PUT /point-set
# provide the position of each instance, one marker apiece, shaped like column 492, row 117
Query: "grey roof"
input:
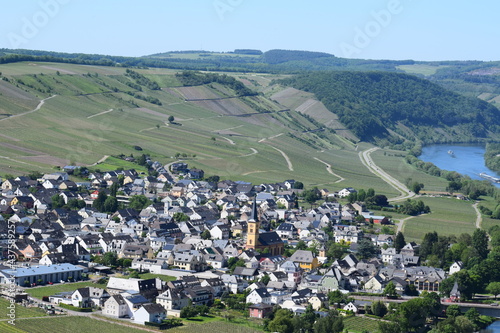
column 41, row 270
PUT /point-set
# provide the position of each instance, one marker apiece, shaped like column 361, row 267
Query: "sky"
column 368, row 29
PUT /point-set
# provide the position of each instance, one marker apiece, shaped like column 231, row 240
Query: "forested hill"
column 392, row 108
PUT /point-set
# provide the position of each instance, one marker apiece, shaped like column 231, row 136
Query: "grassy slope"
column 71, row 324
column 75, row 127
column 448, row 216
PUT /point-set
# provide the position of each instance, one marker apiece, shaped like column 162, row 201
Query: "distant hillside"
column 281, row 56
column 391, row 107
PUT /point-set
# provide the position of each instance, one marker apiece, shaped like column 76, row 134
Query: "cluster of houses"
column 191, row 230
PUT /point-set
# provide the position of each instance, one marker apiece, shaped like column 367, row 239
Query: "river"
column 493, row 328
column 466, row 159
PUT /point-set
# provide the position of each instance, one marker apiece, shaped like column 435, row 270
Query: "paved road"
column 367, row 161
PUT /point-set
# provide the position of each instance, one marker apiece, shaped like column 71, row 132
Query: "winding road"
column 367, row 161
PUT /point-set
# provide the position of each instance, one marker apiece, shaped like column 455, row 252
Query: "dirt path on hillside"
column 330, row 171
column 38, row 107
column 288, row 161
column 100, row 113
column 479, row 217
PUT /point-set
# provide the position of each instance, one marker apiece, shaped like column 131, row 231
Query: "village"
column 213, row 240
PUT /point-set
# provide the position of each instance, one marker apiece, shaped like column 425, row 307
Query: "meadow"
column 73, row 324
column 21, row 311
column 448, row 216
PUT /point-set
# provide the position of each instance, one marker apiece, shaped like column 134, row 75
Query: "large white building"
column 27, row 276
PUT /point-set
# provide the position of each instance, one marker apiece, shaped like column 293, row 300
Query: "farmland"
column 67, row 324
column 92, row 115
column 448, row 216
column 21, row 311
column 360, row 324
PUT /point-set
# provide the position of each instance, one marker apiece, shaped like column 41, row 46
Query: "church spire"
column 254, row 216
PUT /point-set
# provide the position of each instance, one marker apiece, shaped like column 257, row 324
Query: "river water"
column 465, row 159
column 493, row 328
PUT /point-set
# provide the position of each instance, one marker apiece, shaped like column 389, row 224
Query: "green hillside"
column 397, row 108
column 225, row 124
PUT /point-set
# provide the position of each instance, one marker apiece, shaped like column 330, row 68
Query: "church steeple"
column 253, row 228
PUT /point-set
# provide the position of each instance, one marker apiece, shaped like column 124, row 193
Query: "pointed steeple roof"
column 254, row 216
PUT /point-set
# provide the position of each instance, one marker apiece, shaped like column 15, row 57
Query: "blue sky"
column 369, row 29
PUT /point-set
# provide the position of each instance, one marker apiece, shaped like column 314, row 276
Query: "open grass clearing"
column 39, row 292
column 393, row 162
column 448, row 216
column 21, row 311
column 72, row 324
column 358, row 324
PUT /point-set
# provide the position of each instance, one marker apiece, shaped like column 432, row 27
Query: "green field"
column 448, row 216
column 392, row 161
column 68, row 324
column 21, row 311
column 92, row 117
column 39, row 292
column 358, row 324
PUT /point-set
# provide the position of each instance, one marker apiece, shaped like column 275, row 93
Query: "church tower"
column 253, row 228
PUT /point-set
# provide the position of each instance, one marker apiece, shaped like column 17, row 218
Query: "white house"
column 346, row 191
column 455, row 267
column 152, row 312
column 257, row 296
column 116, row 307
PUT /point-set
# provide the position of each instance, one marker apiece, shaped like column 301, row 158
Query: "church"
column 266, row 242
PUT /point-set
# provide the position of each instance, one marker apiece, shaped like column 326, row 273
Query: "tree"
column 399, row 241
column 308, row 319
column 329, row 324
column 139, row 202
column 114, row 188
column 390, row 290
column 301, row 245
column 366, row 249
column 171, row 119
column 57, row 201
column 379, row 309
column 480, row 242
column 453, row 311
column 282, row 322
column 188, row 312
column 493, row 288
column 426, row 247
column 109, row 259
column 99, row 201
column 265, row 279
column 206, row 234
column 298, row 185
column 110, row 205
column 180, row 217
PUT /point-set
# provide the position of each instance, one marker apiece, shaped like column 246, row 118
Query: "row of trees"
column 284, row 321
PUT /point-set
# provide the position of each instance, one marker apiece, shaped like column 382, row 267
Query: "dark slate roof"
column 262, row 292
column 270, row 238
column 286, row 227
column 153, row 308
